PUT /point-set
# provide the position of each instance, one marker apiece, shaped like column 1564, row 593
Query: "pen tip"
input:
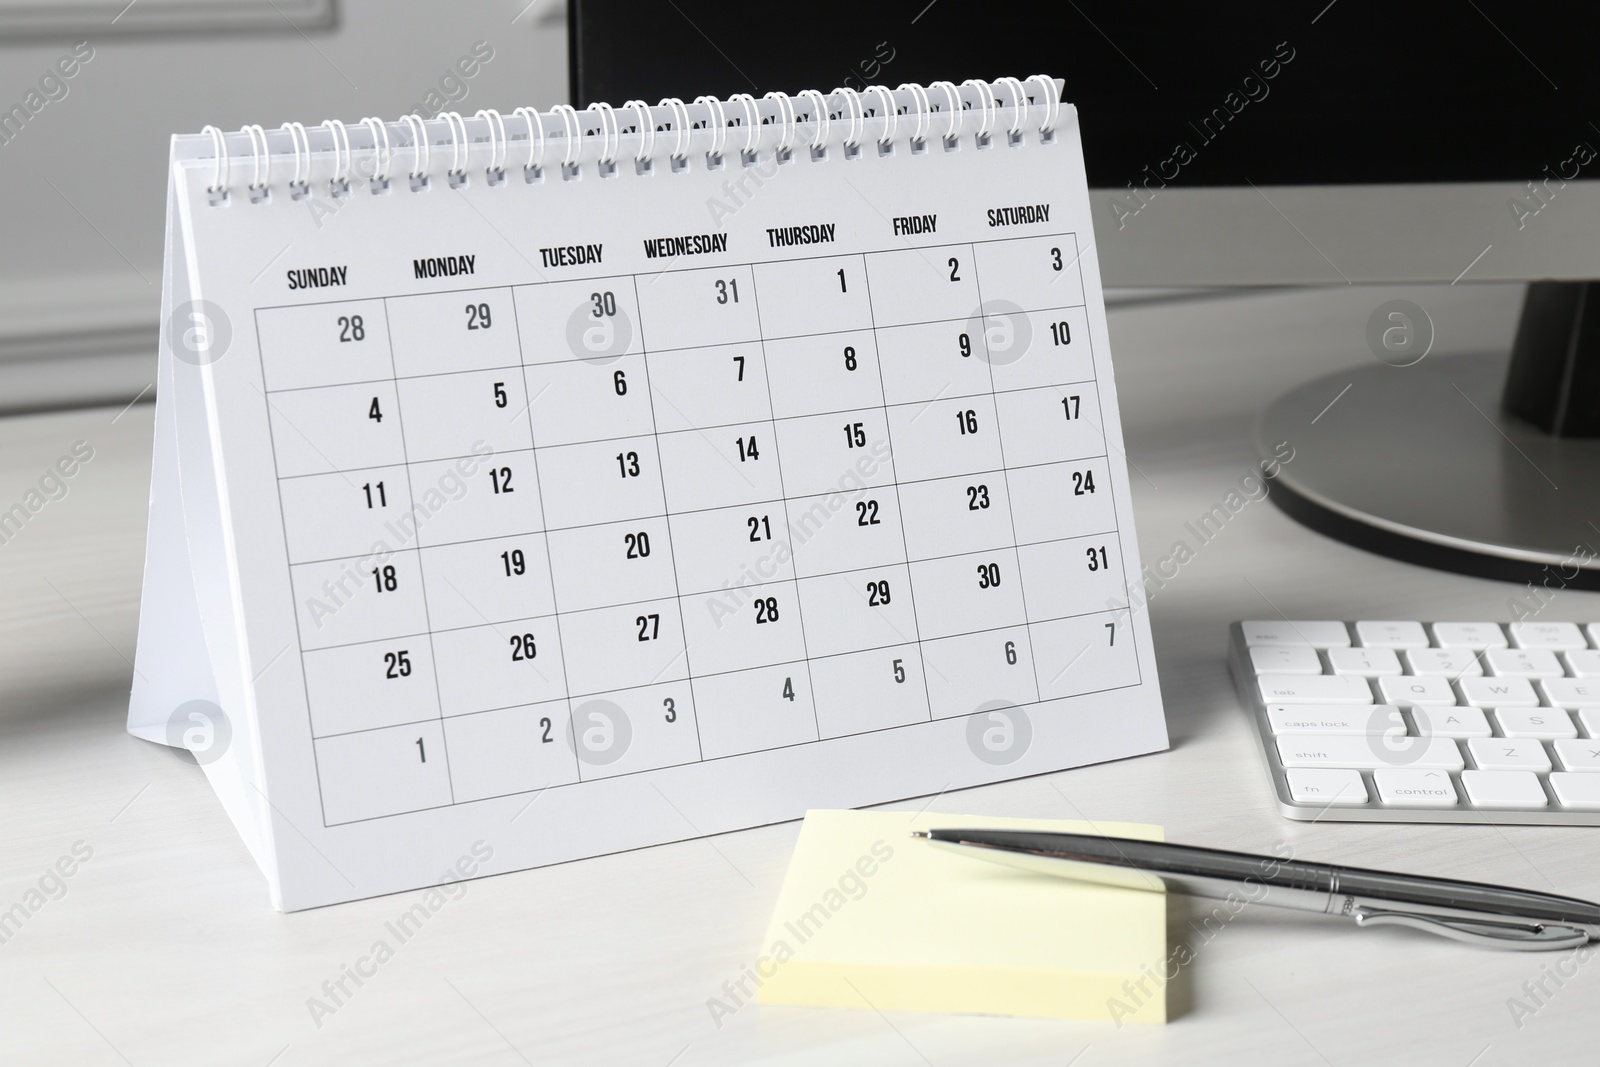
column 919, row 833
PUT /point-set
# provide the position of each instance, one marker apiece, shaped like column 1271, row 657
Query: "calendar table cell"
column 872, row 690
column 486, row 667
column 1084, row 654
column 382, row 772
column 635, row 730
column 967, row 672
column 588, row 401
column 1034, row 349
column 510, row 750
column 721, row 467
column 368, row 686
column 843, row 450
column 623, row 646
column 797, row 295
column 472, row 583
column 1033, row 272
column 922, row 285
column 331, row 515
column 735, row 546
column 619, row 563
column 591, row 321
column 470, row 330
column 451, row 415
column 963, row 594
column 1051, row 424
column 746, row 626
column 324, row 344
column 1073, row 577
column 1059, row 500
column 846, row 531
column 945, row 438
column 359, row 598
column 699, row 387
column 607, row 481
column 932, row 361
column 946, row 516
column 336, row 428
column 822, row 373
column 753, row 710
column 476, row 497
column 862, row 610
column 691, row 308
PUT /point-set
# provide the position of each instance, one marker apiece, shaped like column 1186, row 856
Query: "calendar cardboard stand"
column 535, row 486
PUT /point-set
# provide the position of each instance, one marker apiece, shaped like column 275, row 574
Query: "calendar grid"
column 707, row 759
column 730, row 425
column 1005, row 477
column 593, row 276
column 644, row 348
column 715, row 674
column 736, row 670
column 796, row 435
column 444, row 741
column 911, row 586
column 783, row 498
column 561, row 642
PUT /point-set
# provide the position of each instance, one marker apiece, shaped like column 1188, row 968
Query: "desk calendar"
column 541, row 485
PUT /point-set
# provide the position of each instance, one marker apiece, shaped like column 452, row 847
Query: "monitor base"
column 1420, row 464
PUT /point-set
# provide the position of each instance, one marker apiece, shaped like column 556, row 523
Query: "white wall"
column 83, row 185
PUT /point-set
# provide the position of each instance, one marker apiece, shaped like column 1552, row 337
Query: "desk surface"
column 162, row 949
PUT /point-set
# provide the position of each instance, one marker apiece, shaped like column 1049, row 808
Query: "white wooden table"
column 161, row 948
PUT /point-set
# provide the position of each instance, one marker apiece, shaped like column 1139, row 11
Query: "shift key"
column 1370, row 753
column 1313, row 689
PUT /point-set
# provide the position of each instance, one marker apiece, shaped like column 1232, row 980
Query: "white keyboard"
column 1476, row 722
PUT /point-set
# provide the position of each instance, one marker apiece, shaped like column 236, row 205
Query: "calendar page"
column 569, row 510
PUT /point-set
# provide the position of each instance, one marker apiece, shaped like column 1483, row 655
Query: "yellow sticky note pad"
column 870, row 917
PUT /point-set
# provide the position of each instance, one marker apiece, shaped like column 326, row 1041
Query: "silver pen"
column 1489, row 915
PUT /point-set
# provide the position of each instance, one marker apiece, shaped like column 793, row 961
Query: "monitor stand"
column 1480, row 464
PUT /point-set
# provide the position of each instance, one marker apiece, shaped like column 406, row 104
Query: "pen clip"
column 1528, row 935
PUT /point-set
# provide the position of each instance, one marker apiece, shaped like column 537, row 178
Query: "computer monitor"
column 1327, row 142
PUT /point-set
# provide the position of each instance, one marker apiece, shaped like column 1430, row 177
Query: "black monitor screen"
column 1201, row 94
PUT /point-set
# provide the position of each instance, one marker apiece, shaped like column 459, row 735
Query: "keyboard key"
column 1338, row 718
column 1584, row 664
column 1508, row 754
column 1367, row 662
column 1415, row 690
column 1408, row 788
column 1370, row 753
column 1285, row 659
column 1304, row 689
column 1594, row 634
column 1590, row 717
column 1392, row 634
column 1504, row 789
column 1499, row 692
column 1451, row 722
column 1571, row 692
column 1278, row 632
column 1450, row 662
column 1545, row 724
column 1579, row 755
column 1320, row 785
column 1523, row 663
column 1576, row 790
column 1473, row 635
column 1559, row 635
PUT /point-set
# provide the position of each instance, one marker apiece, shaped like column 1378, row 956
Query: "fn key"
column 1327, row 785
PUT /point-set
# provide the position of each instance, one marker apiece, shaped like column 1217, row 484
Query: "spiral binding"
column 875, row 118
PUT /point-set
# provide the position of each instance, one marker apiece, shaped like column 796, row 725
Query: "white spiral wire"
column 775, row 109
